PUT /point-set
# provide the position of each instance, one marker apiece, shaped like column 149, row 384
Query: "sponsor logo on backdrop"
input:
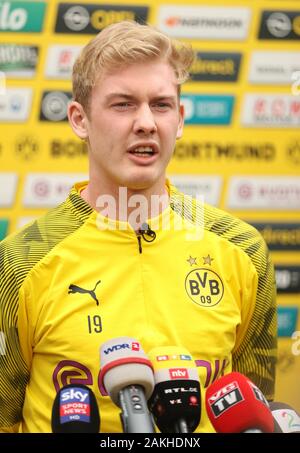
column 280, row 236
column 3, row 228
column 208, row 187
column 22, row 221
column 216, row 66
column 295, row 348
column 60, row 60
column 295, row 87
column 200, row 22
column 282, row 25
column 92, row 18
column 287, row 320
column 293, row 152
column 24, row 17
column 2, row 83
column 214, row 151
column 270, row 110
column 207, row 109
column 26, row 147
column 68, row 148
column 54, row 105
column 264, row 192
column 49, row 189
column 8, row 187
column 287, row 278
column 17, row 60
column 286, row 360
column 15, row 104
column 273, row 67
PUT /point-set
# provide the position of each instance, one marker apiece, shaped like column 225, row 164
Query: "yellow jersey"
column 70, row 282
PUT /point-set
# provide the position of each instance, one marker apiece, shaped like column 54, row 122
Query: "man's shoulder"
column 238, row 232
column 227, row 224
column 214, row 219
column 28, row 245
column 223, row 225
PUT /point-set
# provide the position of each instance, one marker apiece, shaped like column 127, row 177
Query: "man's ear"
column 78, row 119
column 181, row 122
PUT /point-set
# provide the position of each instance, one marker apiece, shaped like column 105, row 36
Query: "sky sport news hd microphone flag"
column 176, row 399
column 127, row 376
column 235, row 405
column 75, row 410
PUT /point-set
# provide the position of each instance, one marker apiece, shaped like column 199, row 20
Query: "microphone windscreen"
column 286, row 419
column 234, row 404
column 75, row 410
column 124, row 363
column 176, row 394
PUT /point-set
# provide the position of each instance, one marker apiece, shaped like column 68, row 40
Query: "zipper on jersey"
column 139, row 238
column 146, row 233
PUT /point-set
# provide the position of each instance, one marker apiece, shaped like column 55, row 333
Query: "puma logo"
column 77, row 289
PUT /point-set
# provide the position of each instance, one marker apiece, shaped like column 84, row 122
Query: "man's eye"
column 162, row 105
column 122, row 105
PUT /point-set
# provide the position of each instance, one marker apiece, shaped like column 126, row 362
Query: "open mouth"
column 142, row 151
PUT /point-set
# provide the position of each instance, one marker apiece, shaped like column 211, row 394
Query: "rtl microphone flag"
column 176, row 399
column 234, row 404
column 287, row 420
column 75, row 410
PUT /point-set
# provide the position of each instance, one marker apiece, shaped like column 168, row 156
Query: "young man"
column 87, row 272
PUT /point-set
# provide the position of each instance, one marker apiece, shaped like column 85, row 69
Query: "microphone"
column 75, row 410
column 176, row 400
column 286, row 419
column 127, row 376
column 147, row 234
column 235, row 405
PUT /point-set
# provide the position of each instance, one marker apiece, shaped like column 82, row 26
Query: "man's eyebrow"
column 170, row 98
column 130, row 97
column 112, row 96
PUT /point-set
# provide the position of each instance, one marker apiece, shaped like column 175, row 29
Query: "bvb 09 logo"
column 204, row 287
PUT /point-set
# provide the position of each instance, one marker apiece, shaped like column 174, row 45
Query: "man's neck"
column 127, row 205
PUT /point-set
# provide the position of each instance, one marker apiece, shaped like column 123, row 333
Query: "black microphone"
column 75, row 410
column 127, row 376
column 286, row 419
column 147, row 234
column 176, row 399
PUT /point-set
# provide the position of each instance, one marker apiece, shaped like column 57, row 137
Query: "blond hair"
column 126, row 43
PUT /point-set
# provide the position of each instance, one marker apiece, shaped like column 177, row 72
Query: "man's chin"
column 146, row 187
column 142, row 183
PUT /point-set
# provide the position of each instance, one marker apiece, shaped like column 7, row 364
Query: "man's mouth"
column 142, row 151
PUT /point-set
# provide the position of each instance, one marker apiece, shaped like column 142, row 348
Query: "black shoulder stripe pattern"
column 19, row 253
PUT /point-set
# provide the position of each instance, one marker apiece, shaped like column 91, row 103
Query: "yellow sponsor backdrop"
column 280, row 163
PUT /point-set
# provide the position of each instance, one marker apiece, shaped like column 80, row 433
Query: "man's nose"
column 144, row 121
